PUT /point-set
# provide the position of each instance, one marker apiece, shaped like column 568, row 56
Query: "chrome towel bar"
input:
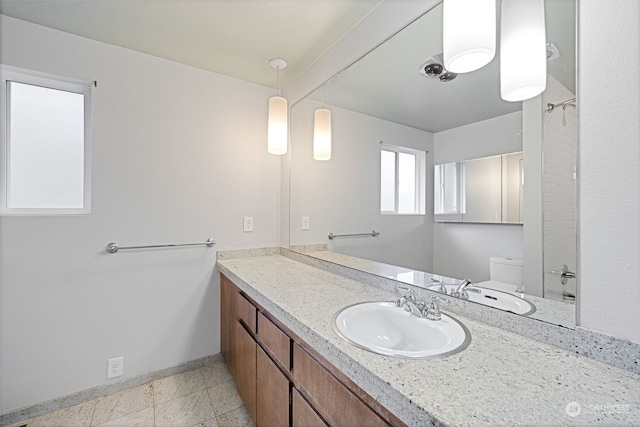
column 112, row 248
column 374, row 233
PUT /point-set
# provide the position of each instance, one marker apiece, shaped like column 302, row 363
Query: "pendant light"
column 322, row 132
column 523, row 55
column 468, row 34
column 277, row 121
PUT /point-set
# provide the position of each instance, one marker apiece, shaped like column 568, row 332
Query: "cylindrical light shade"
column 523, row 55
column 468, row 34
column 277, row 125
column 322, row 134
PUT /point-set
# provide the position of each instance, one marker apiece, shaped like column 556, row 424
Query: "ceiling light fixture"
column 277, row 121
column 523, row 52
column 322, row 134
column 468, row 34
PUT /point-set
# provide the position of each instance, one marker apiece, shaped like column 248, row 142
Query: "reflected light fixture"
column 277, row 121
column 322, row 134
column 523, row 53
column 468, row 34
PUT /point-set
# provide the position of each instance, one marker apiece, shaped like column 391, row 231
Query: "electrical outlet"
column 305, row 222
column 248, row 224
column 115, row 367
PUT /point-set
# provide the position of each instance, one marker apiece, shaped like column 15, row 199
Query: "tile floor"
column 204, row 397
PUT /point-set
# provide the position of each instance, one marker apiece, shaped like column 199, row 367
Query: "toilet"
column 505, row 274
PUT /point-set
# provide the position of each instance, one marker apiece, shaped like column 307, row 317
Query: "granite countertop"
column 501, row 378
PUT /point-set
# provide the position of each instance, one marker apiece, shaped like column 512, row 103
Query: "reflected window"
column 448, row 191
column 402, row 180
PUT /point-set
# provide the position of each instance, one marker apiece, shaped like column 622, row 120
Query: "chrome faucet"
column 416, row 308
column 421, row 309
column 462, row 291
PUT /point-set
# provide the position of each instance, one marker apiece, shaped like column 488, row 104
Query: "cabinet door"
column 303, row 414
column 245, row 366
column 227, row 321
column 272, row 393
column 333, row 400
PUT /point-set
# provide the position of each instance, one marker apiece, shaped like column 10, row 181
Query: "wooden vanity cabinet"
column 245, row 363
column 302, row 413
column 273, row 391
column 281, row 380
column 335, row 402
column 246, row 338
column 227, row 322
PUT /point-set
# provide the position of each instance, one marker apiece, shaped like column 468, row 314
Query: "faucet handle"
column 404, row 298
column 433, row 312
column 410, row 296
column 442, row 288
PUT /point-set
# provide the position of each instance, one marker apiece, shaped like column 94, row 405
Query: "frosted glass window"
column 402, row 180
column 46, row 150
column 388, row 181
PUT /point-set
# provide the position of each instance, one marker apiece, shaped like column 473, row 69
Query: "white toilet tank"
column 506, row 270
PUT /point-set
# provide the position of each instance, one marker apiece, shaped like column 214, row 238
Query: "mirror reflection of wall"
column 343, row 195
column 513, row 188
column 385, row 97
column 559, row 191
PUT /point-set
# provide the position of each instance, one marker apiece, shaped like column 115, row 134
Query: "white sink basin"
column 494, row 298
column 383, row 328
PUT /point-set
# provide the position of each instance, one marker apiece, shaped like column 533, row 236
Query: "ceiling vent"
column 433, row 67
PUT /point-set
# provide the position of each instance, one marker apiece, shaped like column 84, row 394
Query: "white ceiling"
column 386, row 82
column 238, row 37
column 232, row 37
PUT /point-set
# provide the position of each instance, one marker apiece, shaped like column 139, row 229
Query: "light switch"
column 305, row 222
column 248, row 224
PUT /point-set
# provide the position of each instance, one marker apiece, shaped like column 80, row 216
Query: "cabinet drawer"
column 303, row 414
column 337, row 404
column 276, row 341
column 246, row 312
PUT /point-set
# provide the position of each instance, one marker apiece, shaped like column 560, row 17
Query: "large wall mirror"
column 396, row 127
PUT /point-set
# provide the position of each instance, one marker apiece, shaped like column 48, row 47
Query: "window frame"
column 49, row 81
column 420, row 178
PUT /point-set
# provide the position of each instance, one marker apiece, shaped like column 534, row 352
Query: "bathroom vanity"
column 277, row 372
column 278, row 339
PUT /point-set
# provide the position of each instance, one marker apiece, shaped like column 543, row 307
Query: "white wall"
column 532, row 113
column 179, row 155
column 609, row 168
column 342, row 195
column 463, row 250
